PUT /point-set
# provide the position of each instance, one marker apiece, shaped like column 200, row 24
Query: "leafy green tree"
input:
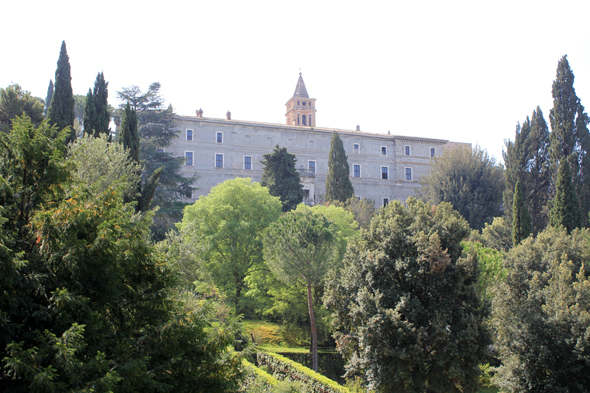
column 14, row 102
column 61, row 108
column 395, row 302
column 497, row 235
column 363, row 209
column 231, row 219
column 338, row 185
column 302, row 246
column 157, row 130
column 527, row 160
column 570, row 140
column 49, row 96
column 490, row 263
column 521, row 219
column 87, row 304
column 96, row 114
column 541, row 314
column 470, row 180
column 281, row 178
column 566, row 209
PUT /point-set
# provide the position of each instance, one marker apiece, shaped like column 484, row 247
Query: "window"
column 383, row 150
column 290, row 143
column 311, row 145
column 356, row 170
column 311, row 166
column 408, row 174
column 384, row 172
column 310, row 124
column 304, row 103
column 189, row 157
column 432, row 152
column 269, row 140
column 247, row 162
column 385, row 202
column 189, row 135
column 218, row 160
column 159, row 150
column 247, row 139
column 355, row 148
column 219, row 137
column 407, row 150
column 304, row 118
column 298, row 117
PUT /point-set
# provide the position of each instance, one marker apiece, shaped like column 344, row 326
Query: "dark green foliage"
column 570, row 140
column 87, row 304
column 541, row 315
column 527, row 160
column 49, row 96
column 128, row 134
column 157, row 130
column 521, row 219
column 14, row 102
column 61, row 108
column 497, row 235
column 566, row 209
column 338, row 185
column 96, row 114
column 281, row 178
column 363, row 209
column 405, row 305
column 470, row 180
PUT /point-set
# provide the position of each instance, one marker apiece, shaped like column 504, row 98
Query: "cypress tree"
column 49, row 96
column 338, row 185
column 129, row 136
column 570, row 139
column 89, row 114
column 521, row 219
column 96, row 116
column 61, row 109
column 566, row 208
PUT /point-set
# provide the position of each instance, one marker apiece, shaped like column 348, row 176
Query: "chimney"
column 200, row 113
column 228, row 115
column 358, row 128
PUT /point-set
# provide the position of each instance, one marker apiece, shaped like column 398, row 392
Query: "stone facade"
column 382, row 167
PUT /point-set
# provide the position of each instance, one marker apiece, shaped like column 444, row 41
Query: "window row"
column 356, row 172
column 218, row 136
column 247, row 163
column 407, row 150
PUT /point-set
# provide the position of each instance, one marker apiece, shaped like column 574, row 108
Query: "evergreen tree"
column 61, row 108
column 338, row 185
column 97, row 116
column 157, row 130
column 521, row 219
column 128, row 135
column 15, row 102
column 566, row 208
column 570, row 140
column 49, row 96
column 281, row 178
column 526, row 160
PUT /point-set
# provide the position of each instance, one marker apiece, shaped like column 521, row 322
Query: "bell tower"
column 300, row 108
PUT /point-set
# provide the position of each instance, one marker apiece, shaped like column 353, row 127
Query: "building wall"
column 242, row 138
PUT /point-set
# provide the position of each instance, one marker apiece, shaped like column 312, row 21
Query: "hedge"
column 330, row 365
column 256, row 376
column 284, row 368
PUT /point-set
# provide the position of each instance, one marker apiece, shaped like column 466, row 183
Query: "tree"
column 338, row 185
column 14, row 102
column 231, row 219
column 281, row 178
column 470, row 180
column 61, row 108
column 497, row 235
column 49, row 96
column 128, row 134
column 96, row 115
column 541, row 314
column 570, row 140
column 87, row 303
column 566, row 208
column 527, row 160
column 396, row 304
column 157, row 130
column 362, row 208
column 302, row 246
column 521, row 219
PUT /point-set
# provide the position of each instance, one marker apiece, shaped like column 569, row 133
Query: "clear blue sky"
column 466, row 71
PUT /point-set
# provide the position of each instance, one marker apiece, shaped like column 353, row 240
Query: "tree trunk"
column 314, row 334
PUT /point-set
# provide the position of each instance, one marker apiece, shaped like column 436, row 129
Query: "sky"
column 466, row 71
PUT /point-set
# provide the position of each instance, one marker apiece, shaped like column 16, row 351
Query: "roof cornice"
column 319, row 130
